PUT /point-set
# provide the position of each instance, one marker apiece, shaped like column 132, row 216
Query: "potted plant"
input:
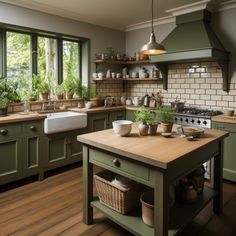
column 3, row 106
column 82, row 95
column 165, row 115
column 70, row 85
column 60, row 91
column 94, row 95
column 144, row 116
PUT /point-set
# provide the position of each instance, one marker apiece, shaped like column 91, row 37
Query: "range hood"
column 193, row 40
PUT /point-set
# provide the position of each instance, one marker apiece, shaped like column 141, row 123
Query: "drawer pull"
column 116, row 162
column 33, row 128
column 4, row 131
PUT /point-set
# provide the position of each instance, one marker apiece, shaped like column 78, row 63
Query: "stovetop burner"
column 200, row 112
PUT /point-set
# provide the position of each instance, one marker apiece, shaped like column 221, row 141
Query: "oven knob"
column 204, row 122
column 199, row 122
column 192, row 120
column 176, row 118
column 181, row 119
column 186, row 120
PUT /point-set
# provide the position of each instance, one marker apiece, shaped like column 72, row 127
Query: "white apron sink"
column 64, row 121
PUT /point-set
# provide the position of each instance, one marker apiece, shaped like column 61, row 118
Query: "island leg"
column 218, row 179
column 87, row 187
column 161, row 205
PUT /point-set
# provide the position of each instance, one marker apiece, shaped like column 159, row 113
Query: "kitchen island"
column 157, row 162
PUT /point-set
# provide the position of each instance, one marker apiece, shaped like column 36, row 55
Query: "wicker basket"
column 120, row 199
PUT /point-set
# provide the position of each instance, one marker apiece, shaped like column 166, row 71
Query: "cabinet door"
column 10, row 159
column 98, row 122
column 116, row 115
column 229, row 171
column 31, row 154
column 55, row 150
column 130, row 115
column 32, row 147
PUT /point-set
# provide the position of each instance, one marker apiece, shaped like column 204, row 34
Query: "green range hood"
column 193, row 40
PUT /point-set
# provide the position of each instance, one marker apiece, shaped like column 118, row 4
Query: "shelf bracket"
column 163, row 68
column 224, row 65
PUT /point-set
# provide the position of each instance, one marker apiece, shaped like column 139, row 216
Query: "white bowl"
column 122, row 127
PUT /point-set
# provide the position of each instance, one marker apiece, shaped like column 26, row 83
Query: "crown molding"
column 188, row 8
column 146, row 24
column 227, row 5
column 45, row 8
column 183, row 10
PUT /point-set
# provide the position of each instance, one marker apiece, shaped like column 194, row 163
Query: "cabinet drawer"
column 32, row 127
column 119, row 163
column 9, row 131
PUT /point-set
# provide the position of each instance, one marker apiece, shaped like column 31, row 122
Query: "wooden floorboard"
column 54, row 207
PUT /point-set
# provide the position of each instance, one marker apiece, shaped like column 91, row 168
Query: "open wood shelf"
column 122, row 62
column 128, row 79
column 180, row 215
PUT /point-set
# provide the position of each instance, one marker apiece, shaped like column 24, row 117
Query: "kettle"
column 146, row 100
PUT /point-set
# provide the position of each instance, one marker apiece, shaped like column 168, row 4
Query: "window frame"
column 82, row 47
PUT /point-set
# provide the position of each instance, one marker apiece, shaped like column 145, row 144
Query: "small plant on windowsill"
column 60, row 91
column 146, row 118
column 70, row 85
column 94, row 95
column 3, row 106
column 165, row 115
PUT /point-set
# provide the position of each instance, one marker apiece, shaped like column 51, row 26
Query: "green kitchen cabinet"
column 229, row 171
column 116, row 115
column 19, row 150
column 98, row 121
column 101, row 120
column 10, row 153
column 32, row 132
column 130, row 115
column 61, row 149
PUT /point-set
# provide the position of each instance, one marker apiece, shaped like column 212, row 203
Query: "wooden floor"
column 54, row 207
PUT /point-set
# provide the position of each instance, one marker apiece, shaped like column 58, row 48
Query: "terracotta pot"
column 143, row 129
column 3, row 111
column 59, row 96
column 166, row 127
column 152, row 129
column 94, row 102
column 147, row 200
column 189, row 194
column 44, row 96
column 69, row 95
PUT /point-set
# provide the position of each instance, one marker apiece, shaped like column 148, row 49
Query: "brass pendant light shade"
column 152, row 47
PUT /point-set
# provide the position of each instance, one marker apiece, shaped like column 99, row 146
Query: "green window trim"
column 83, row 72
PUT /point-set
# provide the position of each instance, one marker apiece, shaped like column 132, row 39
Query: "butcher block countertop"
column 21, row 116
column 154, row 150
column 98, row 109
column 225, row 119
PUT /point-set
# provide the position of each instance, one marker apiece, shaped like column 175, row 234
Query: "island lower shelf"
column 180, row 215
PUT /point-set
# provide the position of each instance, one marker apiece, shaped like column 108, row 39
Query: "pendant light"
column 152, row 47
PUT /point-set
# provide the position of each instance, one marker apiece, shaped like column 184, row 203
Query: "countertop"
column 224, row 119
column 98, row 109
column 21, row 116
column 154, row 150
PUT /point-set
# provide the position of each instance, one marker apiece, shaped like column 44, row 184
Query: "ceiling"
column 117, row 14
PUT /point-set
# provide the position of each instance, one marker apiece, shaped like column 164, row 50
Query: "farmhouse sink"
column 64, row 121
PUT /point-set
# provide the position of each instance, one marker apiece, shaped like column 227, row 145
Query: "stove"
column 195, row 117
column 198, row 118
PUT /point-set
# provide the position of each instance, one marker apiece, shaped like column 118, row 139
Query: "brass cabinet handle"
column 116, row 162
column 4, row 131
column 33, row 128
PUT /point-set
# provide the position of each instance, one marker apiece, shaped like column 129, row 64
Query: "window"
column 18, row 55
column 70, row 59
column 47, row 59
column 23, row 54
